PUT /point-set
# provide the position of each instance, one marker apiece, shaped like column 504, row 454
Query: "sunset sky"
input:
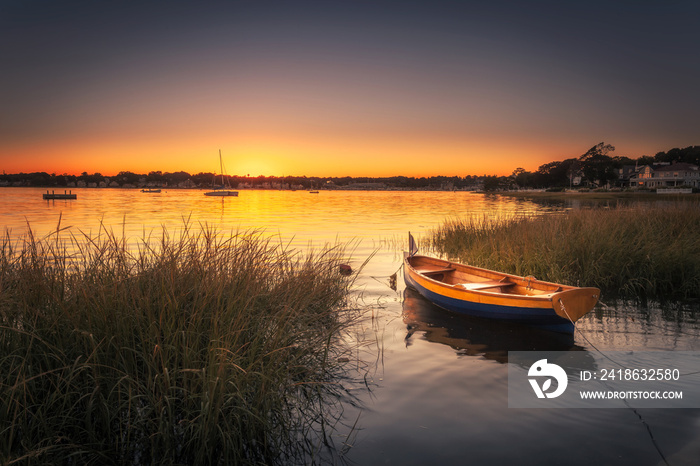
column 335, row 88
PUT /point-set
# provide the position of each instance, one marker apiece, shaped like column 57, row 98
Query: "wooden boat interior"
column 469, row 278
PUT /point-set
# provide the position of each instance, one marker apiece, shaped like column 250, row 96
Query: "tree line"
column 208, row 180
column 596, row 167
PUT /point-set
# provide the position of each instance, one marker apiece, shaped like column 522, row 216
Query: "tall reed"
column 199, row 349
column 649, row 250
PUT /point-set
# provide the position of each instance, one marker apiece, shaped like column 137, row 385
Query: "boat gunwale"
column 546, row 297
column 564, row 302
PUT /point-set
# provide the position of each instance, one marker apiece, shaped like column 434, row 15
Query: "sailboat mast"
column 221, row 167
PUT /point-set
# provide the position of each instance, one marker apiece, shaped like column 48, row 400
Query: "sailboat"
column 221, row 191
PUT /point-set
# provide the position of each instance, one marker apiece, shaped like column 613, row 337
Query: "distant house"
column 186, row 184
column 625, row 174
column 666, row 176
column 366, row 186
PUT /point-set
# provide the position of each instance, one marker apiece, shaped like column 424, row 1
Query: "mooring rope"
column 634, row 410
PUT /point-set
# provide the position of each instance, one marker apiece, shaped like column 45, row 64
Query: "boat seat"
column 482, row 285
column 434, row 271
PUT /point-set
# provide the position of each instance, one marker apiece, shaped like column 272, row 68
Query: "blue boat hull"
column 542, row 318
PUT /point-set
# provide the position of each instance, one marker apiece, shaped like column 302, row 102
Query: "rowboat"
column 485, row 338
column 496, row 295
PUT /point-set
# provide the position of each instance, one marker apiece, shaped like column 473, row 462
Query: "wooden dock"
column 65, row 195
column 674, row 191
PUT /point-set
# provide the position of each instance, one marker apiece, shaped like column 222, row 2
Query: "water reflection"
column 672, row 326
column 573, row 201
column 475, row 336
column 324, row 217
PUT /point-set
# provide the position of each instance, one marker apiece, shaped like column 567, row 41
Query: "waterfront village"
column 675, row 170
column 649, row 177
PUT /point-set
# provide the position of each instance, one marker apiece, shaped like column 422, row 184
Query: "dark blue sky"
column 353, row 87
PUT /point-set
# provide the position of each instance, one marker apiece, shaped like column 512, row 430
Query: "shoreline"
column 537, row 194
column 593, row 195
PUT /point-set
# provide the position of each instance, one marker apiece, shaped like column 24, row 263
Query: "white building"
column 666, row 176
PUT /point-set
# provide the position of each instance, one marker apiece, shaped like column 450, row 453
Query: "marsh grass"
column 643, row 250
column 198, row 349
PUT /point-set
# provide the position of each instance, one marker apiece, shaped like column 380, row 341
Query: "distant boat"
column 53, row 195
column 224, row 184
column 313, row 192
column 150, row 190
column 221, row 193
column 496, row 295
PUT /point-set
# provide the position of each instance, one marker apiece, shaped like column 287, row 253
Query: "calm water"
column 438, row 381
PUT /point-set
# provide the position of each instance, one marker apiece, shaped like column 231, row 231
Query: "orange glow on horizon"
column 283, row 156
